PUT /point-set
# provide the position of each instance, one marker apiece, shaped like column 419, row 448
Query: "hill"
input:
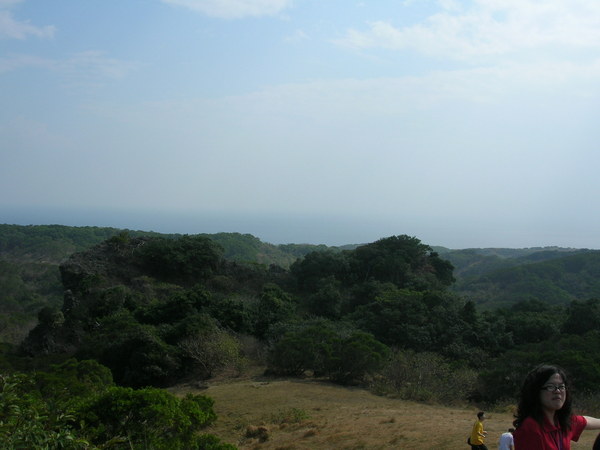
column 305, row 414
column 555, row 277
column 157, row 310
column 52, row 244
column 30, row 257
column 490, row 277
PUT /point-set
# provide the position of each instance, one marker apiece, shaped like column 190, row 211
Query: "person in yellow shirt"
column 478, row 434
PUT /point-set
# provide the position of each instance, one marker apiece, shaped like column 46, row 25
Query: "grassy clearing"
column 286, row 414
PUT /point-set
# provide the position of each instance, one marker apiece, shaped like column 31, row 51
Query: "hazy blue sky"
column 463, row 123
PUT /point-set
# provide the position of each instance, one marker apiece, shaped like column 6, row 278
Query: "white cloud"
column 296, row 36
column 14, row 29
column 86, row 69
column 489, row 28
column 234, row 9
column 16, row 62
column 7, row 3
column 96, row 65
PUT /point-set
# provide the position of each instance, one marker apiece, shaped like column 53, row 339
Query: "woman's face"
column 553, row 393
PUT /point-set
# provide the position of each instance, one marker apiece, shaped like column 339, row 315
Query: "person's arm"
column 592, row 423
column 480, row 431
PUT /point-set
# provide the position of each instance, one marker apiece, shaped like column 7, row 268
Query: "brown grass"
column 309, row 414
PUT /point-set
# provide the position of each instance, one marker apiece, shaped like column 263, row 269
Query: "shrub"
column 26, row 421
column 343, row 354
column 145, row 418
column 211, row 351
column 425, row 377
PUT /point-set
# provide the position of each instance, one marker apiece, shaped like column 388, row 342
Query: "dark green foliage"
column 27, row 422
column 555, row 281
column 50, row 242
column 75, row 406
column 50, row 317
column 71, row 379
column 233, row 314
column 578, row 354
column 274, row 305
column 186, row 258
column 315, row 266
column 401, row 260
column 300, row 250
column 432, row 321
column 356, row 356
column 326, row 301
column 147, row 418
column 109, row 301
column 25, row 288
column 246, row 248
column 365, row 293
column 532, row 321
column 156, row 309
column 192, row 325
column 327, row 349
column 582, row 316
column 174, row 309
column 135, row 353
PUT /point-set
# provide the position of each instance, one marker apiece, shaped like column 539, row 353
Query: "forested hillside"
column 142, row 309
column 30, row 255
column 495, row 278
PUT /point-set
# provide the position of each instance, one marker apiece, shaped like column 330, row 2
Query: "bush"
column 211, row 351
column 63, row 383
column 26, row 421
column 97, row 416
column 425, row 377
column 187, row 258
column 342, row 354
column 145, row 418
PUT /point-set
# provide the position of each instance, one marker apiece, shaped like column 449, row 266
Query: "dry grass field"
column 286, row 414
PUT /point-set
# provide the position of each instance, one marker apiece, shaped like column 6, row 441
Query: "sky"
column 464, row 123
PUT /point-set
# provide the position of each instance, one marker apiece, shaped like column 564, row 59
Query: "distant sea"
column 272, row 228
column 431, row 228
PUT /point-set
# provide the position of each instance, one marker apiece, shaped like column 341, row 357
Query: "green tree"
column 327, row 300
column 145, row 418
column 135, row 353
column 329, row 349
column 402, row 260
column 274, row 305
column 26, row 421
column 211, row 351
column 72, row 379
column 186, row 258
column 582, row 316
column 318, row 265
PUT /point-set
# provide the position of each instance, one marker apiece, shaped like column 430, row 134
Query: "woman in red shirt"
column 544, row 419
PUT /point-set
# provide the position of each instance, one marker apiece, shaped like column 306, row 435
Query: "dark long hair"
column 529, row 400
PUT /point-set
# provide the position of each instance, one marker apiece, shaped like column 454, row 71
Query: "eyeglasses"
column 554, row 387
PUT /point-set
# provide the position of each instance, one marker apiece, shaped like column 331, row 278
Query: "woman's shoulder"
column 528, row 424
column 530, row 421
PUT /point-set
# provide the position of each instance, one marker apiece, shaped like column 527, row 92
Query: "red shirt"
column 531, row 436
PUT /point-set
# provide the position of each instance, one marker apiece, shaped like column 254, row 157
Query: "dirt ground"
column 307, row 414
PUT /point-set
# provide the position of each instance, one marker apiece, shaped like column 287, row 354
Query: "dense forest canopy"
column 153, row 310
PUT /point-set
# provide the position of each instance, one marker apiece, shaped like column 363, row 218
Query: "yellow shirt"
column 476, row 439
